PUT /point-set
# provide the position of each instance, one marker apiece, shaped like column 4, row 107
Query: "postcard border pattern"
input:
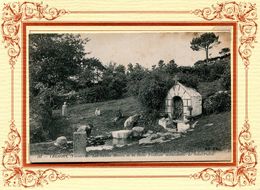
column 245, row 15
column 15, row 13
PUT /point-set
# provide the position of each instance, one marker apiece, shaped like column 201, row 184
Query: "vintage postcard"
column 131, row 96
column 163, row 90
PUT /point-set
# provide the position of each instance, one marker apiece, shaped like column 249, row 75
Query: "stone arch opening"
column 177, row 104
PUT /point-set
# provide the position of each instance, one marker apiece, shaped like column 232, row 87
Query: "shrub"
column 226, row 78
column 153, row 90
column 40, row 118
column 115, row 83
column 93, row 94
column 189, row 80
column 149, row 117
column 219, row 102
column 133, row 88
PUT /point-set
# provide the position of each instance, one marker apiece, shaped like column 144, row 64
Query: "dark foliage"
column 189, row 80
column 226, row 78
column 153, row 90
column 219, row 102
column 96, row 93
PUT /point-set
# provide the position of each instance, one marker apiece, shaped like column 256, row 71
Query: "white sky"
column 148, row 48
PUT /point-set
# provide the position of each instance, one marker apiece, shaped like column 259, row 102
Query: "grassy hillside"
column 216, row 136
column 85, row 114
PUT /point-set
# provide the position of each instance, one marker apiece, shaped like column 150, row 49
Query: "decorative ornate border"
column 15, row 13
column 245, row 15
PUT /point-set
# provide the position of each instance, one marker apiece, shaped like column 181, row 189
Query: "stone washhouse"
column 183, row 101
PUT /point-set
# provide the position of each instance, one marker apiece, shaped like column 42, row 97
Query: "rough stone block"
column 79, row 144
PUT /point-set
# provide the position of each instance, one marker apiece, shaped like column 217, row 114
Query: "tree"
column 204, row 42
column 153, row 90
column 224, row 51
column 161, row 64
column 120, row 69
column 114, row 79
column 130, row 68
column 171, row 67
column 91, row 72
column 134, row 75
column 54, row 58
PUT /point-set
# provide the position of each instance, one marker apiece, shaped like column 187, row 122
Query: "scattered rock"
column 176, row 135
column 194, row 124
column 120, row 145
column 61, row 142
column 160, row 140
column 102, row 147
column 146, row 140
column 121, row 134
column 148, row 133
column 137, row 132
column 183, row 127
column 166, row 123
column 154, row 136
column 160, row 134
column 131, row 121
column 167, row 135
column 172, row 130
column 149, row 140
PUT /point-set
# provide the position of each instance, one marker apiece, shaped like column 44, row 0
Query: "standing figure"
column 97, row 112
column 64, row 109
column 89, row 129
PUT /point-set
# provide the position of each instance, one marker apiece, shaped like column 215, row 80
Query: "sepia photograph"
column 130, row 97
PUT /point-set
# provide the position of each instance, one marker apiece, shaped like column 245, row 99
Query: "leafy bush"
column 219, row 102
column 40, row 118
column 135, row 74
column 226, row 78
column 93, row 94
column 189, row 80
column 133, row 88
column 149, row 118
column 153, row 90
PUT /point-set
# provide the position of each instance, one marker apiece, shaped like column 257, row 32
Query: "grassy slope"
column 85, row 114
column 213, row 137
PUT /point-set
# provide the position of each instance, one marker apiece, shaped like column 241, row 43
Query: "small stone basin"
column 182, row 127
column 121, row 134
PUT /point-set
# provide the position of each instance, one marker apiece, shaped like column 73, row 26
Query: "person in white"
column 64, row 109
column 97, row 112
